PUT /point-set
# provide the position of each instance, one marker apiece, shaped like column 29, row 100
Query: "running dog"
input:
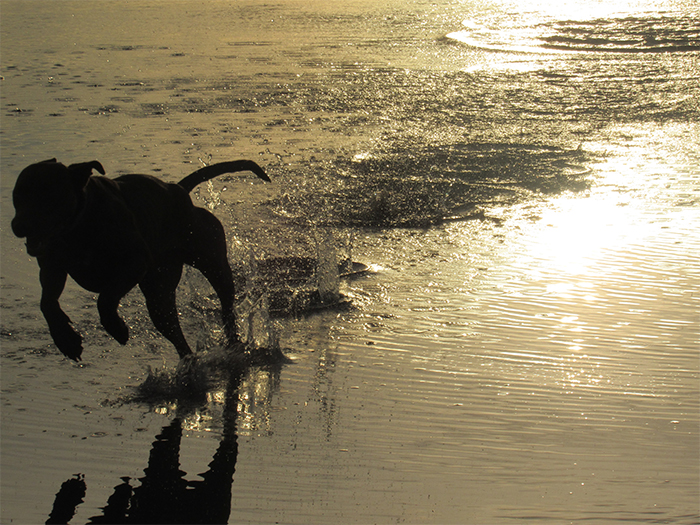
column 111, row 234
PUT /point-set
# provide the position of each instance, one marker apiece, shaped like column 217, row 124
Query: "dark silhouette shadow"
column 69, row 496
column 164, row 495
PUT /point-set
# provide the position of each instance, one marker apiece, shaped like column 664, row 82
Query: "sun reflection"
column 585, row 9
column 575, row 233
column 573, row 269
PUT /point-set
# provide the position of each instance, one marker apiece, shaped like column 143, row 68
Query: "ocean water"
column 522, row 180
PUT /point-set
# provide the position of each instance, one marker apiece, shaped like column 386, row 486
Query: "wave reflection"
column 632, row 34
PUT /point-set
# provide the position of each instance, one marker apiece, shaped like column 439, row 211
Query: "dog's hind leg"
column 158, row 287
column 207, row 253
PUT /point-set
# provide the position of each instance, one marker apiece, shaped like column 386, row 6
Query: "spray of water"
column 327, row 272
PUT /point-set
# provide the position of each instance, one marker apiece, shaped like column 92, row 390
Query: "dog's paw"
column 69, row 342
column 119, row 331
column 117, row 328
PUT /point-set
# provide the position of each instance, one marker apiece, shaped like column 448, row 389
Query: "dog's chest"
column 97, row 270
column 86, row 268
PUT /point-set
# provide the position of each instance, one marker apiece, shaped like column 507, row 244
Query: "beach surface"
column 522, row 183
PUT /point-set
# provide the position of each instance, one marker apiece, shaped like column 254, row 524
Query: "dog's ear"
column 82, row 171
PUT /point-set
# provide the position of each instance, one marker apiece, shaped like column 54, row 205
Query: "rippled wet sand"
column 532, row 358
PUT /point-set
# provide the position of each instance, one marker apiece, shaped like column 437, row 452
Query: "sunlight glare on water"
column 582, row 26
column 579, row 230
column 583, row 270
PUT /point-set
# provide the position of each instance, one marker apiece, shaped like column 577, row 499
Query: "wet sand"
column 537, row 362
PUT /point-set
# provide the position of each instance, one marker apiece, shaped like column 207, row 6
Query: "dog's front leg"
column 53, row 281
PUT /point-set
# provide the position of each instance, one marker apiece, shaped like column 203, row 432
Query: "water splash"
column 303, row 278
column 327, row 271
column 189, row 382
column 256, row 328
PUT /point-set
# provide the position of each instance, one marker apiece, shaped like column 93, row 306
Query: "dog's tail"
column 209, row 172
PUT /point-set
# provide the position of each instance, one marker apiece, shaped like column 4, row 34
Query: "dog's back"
column 162, row 211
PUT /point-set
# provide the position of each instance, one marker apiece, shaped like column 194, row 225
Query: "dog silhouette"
column 111, row 234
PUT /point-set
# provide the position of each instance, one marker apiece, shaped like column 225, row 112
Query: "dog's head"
column 48, row 197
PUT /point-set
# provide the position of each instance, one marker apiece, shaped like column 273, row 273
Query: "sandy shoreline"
column 537, row 363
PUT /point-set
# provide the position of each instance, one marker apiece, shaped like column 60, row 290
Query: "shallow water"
column 525, row 346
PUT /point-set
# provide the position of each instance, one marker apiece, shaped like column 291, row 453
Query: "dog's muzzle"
column 37, row 245
column 18, row 228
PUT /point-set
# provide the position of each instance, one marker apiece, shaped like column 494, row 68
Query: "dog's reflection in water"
column 164, row 495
